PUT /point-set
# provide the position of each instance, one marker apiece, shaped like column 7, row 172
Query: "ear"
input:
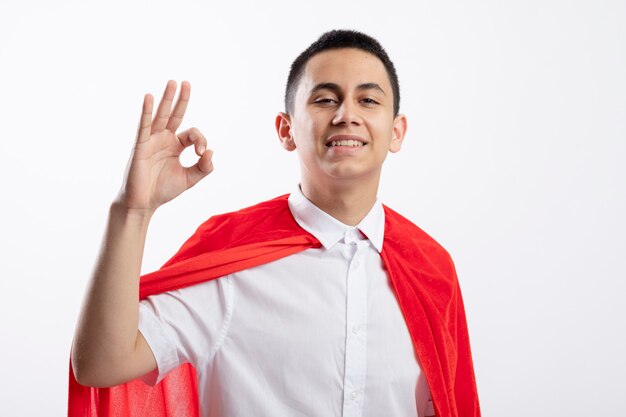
column 283, row 128
column 398, row 133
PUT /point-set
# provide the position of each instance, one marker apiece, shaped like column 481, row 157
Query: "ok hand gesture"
column 154, row 174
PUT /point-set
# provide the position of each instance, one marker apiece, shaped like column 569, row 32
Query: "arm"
column 107, row 348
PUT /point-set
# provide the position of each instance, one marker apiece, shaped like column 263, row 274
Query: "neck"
column 347, row 201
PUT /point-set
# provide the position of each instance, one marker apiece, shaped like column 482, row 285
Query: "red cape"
column 421, row 273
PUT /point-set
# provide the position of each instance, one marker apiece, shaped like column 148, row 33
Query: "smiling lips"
column 345, row 141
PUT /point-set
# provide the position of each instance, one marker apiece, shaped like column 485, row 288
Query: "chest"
column 321, row 307
column 319, row 331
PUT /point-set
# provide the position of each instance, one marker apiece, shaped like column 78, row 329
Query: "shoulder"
column 405, row 228
column 251, row 214
column 264, row 221
column 405, row 238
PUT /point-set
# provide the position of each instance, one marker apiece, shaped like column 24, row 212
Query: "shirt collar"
column 329, row 230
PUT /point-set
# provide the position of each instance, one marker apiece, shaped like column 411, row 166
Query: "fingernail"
column 201, row 149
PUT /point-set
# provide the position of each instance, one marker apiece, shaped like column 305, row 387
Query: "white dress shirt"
column 318, row 333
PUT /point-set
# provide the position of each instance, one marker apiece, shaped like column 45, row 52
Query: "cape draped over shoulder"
column 421, row 273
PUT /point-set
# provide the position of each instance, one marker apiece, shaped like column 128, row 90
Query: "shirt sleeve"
column 186, row 325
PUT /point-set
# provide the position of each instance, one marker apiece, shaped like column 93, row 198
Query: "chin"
column 348, row 173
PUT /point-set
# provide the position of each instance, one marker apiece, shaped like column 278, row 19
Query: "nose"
column 347, row 114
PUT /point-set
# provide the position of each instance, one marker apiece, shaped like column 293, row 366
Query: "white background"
column 514, row 161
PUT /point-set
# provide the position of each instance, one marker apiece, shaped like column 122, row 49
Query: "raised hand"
column 154, row 174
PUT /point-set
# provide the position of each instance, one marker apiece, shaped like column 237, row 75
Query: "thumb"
column 200, row 169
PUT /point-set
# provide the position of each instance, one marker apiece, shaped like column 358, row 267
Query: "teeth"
column 349, row 142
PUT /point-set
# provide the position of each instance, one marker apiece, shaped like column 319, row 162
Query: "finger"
column 145, row 121
column 163, row 112
column 200, row 169
column 193, row 136
column 179, row 109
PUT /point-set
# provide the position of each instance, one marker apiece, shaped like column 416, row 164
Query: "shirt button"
column 355, row 329
column 354, row 395
column 356, row 263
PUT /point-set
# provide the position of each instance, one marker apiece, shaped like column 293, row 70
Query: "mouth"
column 345, row 140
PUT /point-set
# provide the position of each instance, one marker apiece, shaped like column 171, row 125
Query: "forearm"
column 108, row 348
column 106, row 332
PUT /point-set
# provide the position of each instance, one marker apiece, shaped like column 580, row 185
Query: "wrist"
column 121, row 211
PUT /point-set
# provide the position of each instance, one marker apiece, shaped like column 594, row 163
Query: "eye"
column 325, row 100
column 369, row 101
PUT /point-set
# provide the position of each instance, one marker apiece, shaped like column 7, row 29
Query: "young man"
column 320, row 303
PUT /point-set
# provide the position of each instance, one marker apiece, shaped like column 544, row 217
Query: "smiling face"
column 342, row 124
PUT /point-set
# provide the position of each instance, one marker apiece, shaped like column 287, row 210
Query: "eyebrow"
column 335, row 88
